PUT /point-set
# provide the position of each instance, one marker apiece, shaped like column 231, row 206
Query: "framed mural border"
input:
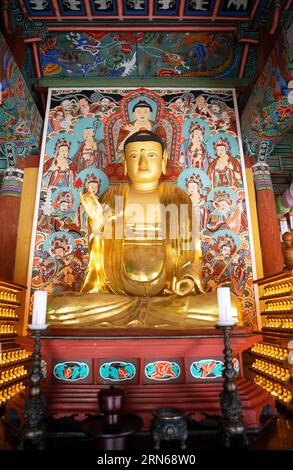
column 140, row 84
column 248, row 210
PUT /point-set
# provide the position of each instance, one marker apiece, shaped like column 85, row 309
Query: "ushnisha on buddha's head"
column 145, row 157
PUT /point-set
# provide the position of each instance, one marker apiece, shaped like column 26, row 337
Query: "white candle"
column 225, row 307
column 39, row 310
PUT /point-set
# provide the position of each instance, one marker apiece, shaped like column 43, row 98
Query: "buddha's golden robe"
column 129, row 279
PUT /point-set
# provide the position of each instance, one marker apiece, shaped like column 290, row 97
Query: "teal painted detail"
column 117, row 371
column 210, row 368
column 71, row 371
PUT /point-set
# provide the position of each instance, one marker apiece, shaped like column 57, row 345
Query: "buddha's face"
column 142, row 114
column 144, row 161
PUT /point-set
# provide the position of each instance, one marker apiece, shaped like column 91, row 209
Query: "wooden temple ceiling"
column 77, row 11
column 206, row 42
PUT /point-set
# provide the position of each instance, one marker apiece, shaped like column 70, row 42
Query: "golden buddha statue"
column 144, row 266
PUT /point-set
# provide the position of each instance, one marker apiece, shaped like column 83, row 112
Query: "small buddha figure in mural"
column 144, row 268
column 142, row 112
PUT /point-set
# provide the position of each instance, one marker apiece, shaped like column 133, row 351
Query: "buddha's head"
column 145, row 157
column 142, row 112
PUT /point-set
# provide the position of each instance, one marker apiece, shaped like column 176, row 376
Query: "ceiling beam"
column 125, row 82
column 190, row 27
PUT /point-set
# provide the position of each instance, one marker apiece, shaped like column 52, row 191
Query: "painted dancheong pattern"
column 210, row 368
column 162, row 370
column 117, row 371
column 71, row 371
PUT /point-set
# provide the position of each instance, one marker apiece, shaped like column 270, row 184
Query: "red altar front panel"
column 157, row 371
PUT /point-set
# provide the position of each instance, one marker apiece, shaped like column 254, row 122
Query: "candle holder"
column 230, row 402
column 34, row 429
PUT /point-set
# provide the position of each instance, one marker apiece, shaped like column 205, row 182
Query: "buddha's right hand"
column 93, row 209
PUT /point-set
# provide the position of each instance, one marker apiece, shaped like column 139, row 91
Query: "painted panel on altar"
column 72, row 371
column 203, row 369
column 157, row 370
column 113, row 370
column 84, row 136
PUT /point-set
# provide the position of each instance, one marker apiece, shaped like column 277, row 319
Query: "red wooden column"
column 9, row 213
column 272, row 255
column 10, row 201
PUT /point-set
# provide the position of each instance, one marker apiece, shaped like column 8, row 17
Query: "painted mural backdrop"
column 129, row 54
column 20, row 121
column 85, row 134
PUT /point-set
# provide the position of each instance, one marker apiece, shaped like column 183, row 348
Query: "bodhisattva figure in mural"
column 86, row 155
column 60, row 170
column 225, row 170
column 144, row 266
column 193, row 151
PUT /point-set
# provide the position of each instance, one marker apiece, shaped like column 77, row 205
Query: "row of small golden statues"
column 8, row 296
column 274, row 388
column 144, row 265
column 7, row 328
column 8, row 375
column 9, row 392
column 270, row 350
column 276, row 371
column 9, row 356
column 7, row 312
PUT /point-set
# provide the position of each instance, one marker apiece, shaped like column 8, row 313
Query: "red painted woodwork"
column 81, row 399
column 249, row 160
column 243, row 61
column 30, row 161
column 9, row 214
column 196, row 399
column 272, row 256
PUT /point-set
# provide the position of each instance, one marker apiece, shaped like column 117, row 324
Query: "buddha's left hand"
column 183, row 286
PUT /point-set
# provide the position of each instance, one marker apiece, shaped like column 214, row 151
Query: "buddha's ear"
column 124, row 164
column 164, row 162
